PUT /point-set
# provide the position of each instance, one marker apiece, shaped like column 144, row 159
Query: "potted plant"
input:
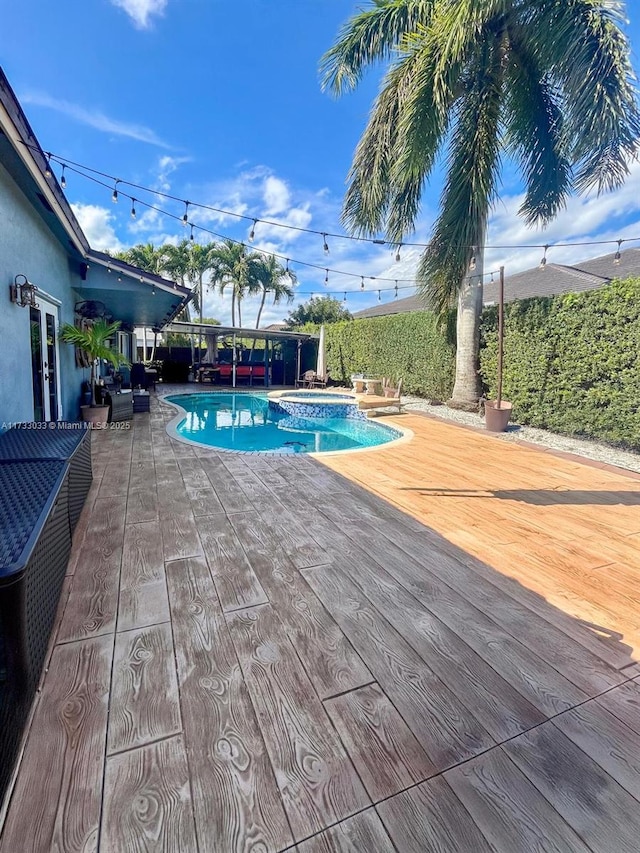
column 92, row 340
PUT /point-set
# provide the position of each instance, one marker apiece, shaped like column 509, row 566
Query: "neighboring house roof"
column 550, row 281
column 396, row 306
column 23, row 158
column 275, row 327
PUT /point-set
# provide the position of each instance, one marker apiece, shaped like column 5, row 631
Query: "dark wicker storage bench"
column 35, row 542
column 61, row 440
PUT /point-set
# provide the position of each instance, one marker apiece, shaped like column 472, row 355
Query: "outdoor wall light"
column 23, row 292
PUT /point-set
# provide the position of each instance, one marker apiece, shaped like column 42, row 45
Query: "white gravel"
column 581, row 447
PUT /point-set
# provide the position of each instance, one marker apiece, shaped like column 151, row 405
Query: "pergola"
column 270, row 336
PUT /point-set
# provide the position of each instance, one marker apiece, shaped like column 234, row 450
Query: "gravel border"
column 597, row 451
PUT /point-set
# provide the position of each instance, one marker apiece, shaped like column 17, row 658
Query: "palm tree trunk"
column 467, row 386
column 239, row 312
column 262, row 301
column 233, row 307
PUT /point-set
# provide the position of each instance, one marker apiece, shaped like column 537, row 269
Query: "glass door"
column 37, row 371
column 45, row 368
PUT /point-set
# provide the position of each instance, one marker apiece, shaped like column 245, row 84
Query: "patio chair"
column 307, row 379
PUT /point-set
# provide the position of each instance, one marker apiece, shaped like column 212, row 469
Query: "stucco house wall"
column 28, row 247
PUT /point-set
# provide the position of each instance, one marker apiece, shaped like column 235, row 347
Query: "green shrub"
column 571, row 362
column 406, row 346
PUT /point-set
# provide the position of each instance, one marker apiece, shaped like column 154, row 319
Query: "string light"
column 543, row 261
column 491, row 278
column 617, row 258
column 379, row 297
column 398, row 253
column 63, row 180
column 82, row 170
column 326, row 276
column 252, row 233
column 325, row 246
column 411, row 282
column 191, row 235
column 47, row 169
column 344, row 298
column 472, row 262
column 185, row 216
column 153, row 290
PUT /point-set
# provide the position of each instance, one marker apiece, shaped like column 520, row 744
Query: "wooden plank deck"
column 429, row 647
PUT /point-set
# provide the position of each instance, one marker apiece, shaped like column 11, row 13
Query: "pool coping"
column 405, row 436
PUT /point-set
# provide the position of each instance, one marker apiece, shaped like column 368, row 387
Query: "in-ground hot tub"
column 316, row 404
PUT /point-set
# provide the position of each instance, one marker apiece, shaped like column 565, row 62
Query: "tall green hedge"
column 571, row 362
column 406, row 346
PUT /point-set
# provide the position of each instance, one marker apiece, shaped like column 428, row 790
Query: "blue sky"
column 219, row 102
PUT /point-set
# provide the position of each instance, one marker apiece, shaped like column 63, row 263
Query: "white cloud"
column 167, row 165
column 95, row 119
column 276, row 195
column 96, row 222
column 141, row 11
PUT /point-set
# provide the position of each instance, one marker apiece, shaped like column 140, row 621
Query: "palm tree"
column 232, row 266
column 93, row 341
column 273, row 278
column 148, row 257
column 548, row 84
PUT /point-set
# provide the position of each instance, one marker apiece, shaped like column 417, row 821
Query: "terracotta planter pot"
column 97, row 416
column 496, row 419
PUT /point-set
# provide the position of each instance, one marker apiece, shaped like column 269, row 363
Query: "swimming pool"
column 246, row 424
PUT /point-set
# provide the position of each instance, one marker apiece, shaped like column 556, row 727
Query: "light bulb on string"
column 472, row 262
column 133, row 208
column 252, row 233
column 617, row 257
column 287, row 271
column 344, row 299
column 63, row 180
column 543, row 260
column 185, row 215
column 492, row 278
column 361, row 282
column 379, row 297
column 398, row 253
column 396, row 291
column 325, row 245
column 153, row 290
column 326, row 276
column 114, row 194
column 47, row 169
column 191, row 235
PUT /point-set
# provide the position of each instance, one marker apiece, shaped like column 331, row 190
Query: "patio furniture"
column 67, row 442
column 390, row 396
column 310, row 379
column 141, row 400
column 120, row 406
column 35, row 542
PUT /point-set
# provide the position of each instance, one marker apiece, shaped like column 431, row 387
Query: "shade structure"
column 321, row 364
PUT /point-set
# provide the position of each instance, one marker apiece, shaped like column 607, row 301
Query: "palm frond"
column 589, row 54
column 535, row 134
column 368, row 37
column 473, row 166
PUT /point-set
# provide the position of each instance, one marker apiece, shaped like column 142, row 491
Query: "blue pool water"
column 245, row 422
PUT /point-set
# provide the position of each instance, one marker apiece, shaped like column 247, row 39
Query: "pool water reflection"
column 245, row 423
